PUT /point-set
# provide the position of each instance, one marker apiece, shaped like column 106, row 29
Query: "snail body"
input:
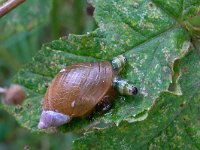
column 79, row 88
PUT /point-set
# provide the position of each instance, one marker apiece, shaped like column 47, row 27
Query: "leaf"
column 150, row 38
column 173, row 122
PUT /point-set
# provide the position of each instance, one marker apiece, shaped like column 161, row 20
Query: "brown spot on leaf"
column 185, row 69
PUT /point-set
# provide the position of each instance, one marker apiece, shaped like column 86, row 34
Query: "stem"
column 55, row 19
column 8, row 6
column 2, row 90
column 78, row 16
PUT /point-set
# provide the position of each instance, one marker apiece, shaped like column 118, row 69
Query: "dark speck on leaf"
column 181, row 105
column 150, row 4
column 18, row 110
column 29, row 106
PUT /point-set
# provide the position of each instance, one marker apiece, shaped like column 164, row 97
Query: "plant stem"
column 78, row 16
column 9, row 5
column 55, row 19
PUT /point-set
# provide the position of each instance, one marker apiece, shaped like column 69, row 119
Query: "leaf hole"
column 90, row 10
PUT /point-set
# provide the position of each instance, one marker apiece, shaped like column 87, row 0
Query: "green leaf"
column 149, row 36
column 173, row 122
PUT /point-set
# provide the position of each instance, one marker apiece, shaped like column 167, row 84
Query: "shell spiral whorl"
column 80, row 88
column 77, row 89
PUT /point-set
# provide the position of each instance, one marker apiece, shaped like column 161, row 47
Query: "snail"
column 14, row 95
column 80, row 88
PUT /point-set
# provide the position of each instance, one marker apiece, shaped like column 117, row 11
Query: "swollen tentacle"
column 118, row 62
column 124, row 86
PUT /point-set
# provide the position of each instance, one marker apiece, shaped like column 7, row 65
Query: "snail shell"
column 14, row 95
column 77, row 89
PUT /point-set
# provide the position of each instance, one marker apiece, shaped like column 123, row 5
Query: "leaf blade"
column 137, row 29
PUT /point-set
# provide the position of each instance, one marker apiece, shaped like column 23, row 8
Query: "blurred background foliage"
column 22, row 33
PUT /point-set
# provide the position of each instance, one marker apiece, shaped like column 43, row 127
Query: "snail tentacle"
column 124, row 86
column 118, row 62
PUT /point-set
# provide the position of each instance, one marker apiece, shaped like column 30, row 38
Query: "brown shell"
column 14, row 95
column 77, row 89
